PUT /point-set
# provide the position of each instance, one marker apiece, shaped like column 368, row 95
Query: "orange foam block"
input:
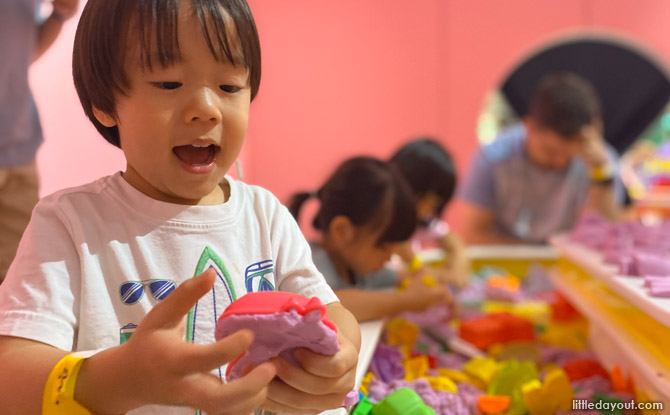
column 492, row 404
column 495, row 328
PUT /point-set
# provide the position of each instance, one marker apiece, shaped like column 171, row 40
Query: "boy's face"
column 182, row 128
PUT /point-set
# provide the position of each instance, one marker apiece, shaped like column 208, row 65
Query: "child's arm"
column 371, row 305
column 323, row 381
column 156, row 366
column 458, row 264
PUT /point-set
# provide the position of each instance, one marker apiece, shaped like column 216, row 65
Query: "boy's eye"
column 229, row 88
column 167, row 85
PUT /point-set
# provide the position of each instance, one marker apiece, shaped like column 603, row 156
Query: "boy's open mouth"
column 196, row 155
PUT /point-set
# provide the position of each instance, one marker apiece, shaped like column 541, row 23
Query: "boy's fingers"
column 207, row 357
column 299, row 380
column 328, row 366
column 250, row 391
column 277, row 407
column 172, row 310
column 240, row 396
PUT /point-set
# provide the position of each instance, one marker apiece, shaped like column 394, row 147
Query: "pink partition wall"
column 355, row 77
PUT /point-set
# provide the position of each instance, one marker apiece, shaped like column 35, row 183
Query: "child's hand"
column 418, row 296
column 321, row 383
column 162, row 368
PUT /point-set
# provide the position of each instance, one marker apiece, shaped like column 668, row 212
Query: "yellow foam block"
column 482, row 369
column 442, row 383
column 401, row 332
column 365, row 382
column 416, row 367
column 455, row 375
column 548, row 397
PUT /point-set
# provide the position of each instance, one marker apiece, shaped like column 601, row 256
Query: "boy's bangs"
column 228, row 32
column 157, row 33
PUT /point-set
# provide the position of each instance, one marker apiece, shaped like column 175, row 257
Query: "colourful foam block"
column 490, row 404
column 403, row 401
column 495, row 328
column 554, row 394
column 482, row 369
column 577, row 369
column 401, row 332
column 416, row 367
column 364, row 407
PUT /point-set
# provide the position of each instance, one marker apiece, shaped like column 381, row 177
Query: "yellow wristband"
column 58, row 398
column 602, row 173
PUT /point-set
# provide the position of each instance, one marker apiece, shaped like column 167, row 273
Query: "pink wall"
column 355, row 77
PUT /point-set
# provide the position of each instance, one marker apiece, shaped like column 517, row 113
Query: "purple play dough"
column 278, row 334
column 444, row 403
column 386, row 363
column 431, row 316
column 636, row 249
column 650, row 264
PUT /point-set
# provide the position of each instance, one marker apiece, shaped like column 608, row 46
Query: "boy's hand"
column 160, row 367
column 321, row 383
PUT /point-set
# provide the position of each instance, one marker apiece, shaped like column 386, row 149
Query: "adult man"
column 536, row 177
column 22, row 40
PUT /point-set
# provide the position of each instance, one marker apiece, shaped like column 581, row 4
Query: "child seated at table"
column 429, row 170
column 366, row 214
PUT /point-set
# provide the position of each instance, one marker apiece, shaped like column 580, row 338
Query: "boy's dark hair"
column 428, row 167
column 107, row 28
column 564, row 103
column 369, row 192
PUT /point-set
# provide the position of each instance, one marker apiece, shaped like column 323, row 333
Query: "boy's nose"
column 203, row 107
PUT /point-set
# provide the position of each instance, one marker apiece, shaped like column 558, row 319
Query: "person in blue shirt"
column 537, row 177
column 23, row 39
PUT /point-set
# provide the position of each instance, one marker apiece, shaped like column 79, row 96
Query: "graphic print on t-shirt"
column 132, row 291
column 209, row 259
column 256, row 276
column 259, row 276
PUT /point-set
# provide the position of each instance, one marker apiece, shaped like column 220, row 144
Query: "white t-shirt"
column 95, row 259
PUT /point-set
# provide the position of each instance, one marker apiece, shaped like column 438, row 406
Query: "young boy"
column 110, row 265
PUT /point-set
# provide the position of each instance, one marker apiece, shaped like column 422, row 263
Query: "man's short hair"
column 564, row 103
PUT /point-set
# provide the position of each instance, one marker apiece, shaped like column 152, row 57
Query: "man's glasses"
column 132, row 291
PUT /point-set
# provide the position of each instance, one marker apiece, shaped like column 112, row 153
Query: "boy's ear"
column 341, row 230
column 104, row 118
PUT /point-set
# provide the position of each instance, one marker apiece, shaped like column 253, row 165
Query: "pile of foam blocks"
column 516, row 347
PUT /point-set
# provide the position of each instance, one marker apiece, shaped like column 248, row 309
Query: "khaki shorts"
column 18, row 197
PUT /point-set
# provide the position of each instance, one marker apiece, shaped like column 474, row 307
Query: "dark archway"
column 633, row 88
